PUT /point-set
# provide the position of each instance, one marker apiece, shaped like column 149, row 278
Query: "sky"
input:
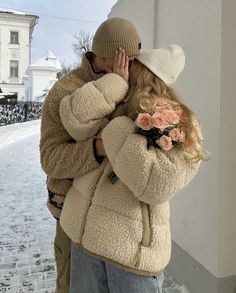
column 58, row 21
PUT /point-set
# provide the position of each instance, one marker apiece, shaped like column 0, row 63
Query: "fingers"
column 120, row 58
column 115, row 64
column 109, row 70
column 121, row 64
column 126, row 63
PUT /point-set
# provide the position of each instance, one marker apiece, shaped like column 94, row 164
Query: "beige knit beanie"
column 114, row 33
column 166, row 63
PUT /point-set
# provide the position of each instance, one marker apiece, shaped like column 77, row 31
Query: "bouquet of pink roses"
column 162, row 128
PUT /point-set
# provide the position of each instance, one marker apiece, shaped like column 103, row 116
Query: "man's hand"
column 121, row 64
column 100, row 151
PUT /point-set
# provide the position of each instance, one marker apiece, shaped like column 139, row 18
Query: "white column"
column 141, row 14
column 227, row 177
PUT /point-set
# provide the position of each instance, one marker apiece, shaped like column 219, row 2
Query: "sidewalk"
column 26, row 226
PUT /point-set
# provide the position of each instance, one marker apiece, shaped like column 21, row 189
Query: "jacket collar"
column 87, row 69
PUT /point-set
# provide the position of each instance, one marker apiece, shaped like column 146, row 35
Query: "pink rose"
column 159, row 121
column 144, row 121
column 174, row 134
column 165, row 142
column 171, row 117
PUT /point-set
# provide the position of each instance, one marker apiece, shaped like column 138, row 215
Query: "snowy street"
column 26, row 226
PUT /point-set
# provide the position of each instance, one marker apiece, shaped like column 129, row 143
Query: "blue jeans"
column 91, row 275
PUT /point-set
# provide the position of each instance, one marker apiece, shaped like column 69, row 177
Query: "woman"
column 120, row 229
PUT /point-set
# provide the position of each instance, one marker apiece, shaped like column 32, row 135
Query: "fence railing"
column 20, row 112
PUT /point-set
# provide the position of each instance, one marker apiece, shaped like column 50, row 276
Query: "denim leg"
column 88, row 274
column 120, row 281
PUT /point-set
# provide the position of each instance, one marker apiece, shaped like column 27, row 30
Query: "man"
column 62, row 158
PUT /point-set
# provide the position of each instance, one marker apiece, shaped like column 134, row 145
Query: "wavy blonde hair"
column 145, row 88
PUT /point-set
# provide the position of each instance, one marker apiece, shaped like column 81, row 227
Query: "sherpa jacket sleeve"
column 83, row 112
column 61, row 156
column 153, row 175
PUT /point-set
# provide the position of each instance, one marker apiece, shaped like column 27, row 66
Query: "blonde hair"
column 145, row 88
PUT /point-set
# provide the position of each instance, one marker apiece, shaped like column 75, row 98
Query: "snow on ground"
column 15, row 132
column 26, row 227
column 13, row 11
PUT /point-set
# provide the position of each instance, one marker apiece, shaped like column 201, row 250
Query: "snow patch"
column 12, row 11
column 15, row 132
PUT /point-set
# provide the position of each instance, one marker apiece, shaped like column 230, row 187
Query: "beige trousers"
column 62, row 248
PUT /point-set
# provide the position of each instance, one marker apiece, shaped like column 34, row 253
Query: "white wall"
column 142, row 16
column 227, row 183
column 18, row 52
column 16, row 88
column 203, row 214
column 5, row 64
column 38, row 80
column 196, row 26
column 41, row 80
column 0, row 55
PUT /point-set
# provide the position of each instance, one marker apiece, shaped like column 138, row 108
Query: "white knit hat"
column 166, row 62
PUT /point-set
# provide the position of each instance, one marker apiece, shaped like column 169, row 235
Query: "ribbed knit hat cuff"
column 107, row 50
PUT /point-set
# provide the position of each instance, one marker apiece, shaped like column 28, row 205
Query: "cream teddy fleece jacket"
column 125, row 223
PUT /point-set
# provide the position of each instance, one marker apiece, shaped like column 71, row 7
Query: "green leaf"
column 177, row 125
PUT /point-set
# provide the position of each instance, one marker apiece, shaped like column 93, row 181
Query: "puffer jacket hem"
column 118, row 265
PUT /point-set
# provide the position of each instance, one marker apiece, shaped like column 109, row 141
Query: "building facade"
column 16, row 30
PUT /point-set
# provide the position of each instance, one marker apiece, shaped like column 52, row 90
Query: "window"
column 14, row 38
column 14, row 68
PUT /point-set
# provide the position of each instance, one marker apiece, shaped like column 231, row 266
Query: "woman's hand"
column 121, row 64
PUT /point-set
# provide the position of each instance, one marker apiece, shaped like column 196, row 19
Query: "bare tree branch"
column 65, row 69
column 82, row 43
